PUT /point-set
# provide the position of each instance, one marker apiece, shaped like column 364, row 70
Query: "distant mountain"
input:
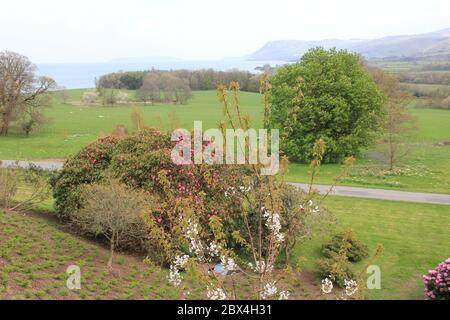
column 410, row 46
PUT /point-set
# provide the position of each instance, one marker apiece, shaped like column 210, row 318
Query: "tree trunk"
column 111, row 251
column 5, row 127
column 391, row 154
column 286, row 252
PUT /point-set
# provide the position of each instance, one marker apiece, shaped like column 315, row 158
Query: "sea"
column 83, row 75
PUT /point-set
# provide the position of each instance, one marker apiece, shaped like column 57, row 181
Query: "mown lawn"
column 415, row 239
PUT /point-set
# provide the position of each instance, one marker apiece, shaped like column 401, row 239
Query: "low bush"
column 33, row 179
column 9, row 180
column 336, row 268
column 355, row 249
column 437, row 282
column 113, row 210
column 340, row 251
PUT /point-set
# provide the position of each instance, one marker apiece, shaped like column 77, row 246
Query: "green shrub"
column 355, row 249
column 336, row 268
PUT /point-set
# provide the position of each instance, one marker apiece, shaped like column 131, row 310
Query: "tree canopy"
column 327, row 95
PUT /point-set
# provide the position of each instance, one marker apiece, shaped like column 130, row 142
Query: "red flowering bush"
column 143, row 161
column 437, row 282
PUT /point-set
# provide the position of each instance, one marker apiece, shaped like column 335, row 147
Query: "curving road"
column 381, row 194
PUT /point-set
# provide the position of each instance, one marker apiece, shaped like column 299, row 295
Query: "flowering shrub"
column 437, row 282
column 143, row 162
column 265, row 217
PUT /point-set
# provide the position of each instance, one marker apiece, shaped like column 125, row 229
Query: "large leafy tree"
column 327, row 95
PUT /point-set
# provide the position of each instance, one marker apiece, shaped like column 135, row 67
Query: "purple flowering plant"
column 437, row 282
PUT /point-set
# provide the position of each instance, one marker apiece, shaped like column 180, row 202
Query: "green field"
column 426, row 166
column 399, row 66
column 401, row 229
column 74, row 126
column 424, row 88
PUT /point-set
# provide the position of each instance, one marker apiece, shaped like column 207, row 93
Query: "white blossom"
column 216, row 294
column 228, row 263
column 327, row 286
column 174, row 276
column 261, row 267
column 180, row 261
column 213, row 249
column 273, row 222
column 269, row 290
column 351, row 287
column 195, row 245
column 284, row 295
column 229, row 191
column 244, row 189
column 312, row 207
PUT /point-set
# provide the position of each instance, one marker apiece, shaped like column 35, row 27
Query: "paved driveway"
column 354, row 192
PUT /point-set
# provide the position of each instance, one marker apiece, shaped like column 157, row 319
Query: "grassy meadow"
column 73, row 126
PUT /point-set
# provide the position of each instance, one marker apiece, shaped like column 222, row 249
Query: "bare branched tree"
column 399, row 123
column 21, row 91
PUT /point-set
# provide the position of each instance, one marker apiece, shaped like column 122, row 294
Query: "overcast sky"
column 100, row 30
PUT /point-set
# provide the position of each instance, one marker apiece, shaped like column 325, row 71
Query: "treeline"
column 207, row 79
column 428, row 95
column 436, row 67
column 428, row 91
column 434, row 103
column 425, row 77
column 165, row 87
